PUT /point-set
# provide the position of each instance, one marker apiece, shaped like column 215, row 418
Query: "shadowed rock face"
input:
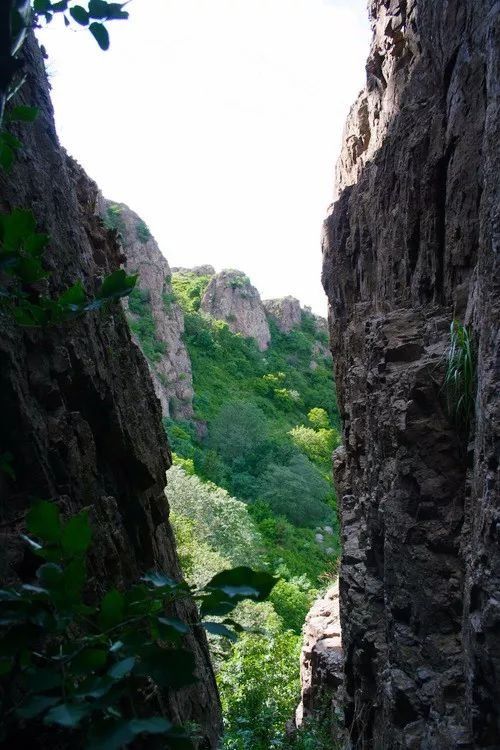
column 171, row 374
column 79, row 413
column 231, row 297
column 286, row 311
column 409, row 244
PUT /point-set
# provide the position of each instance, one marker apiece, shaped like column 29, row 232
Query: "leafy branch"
column 85, row 666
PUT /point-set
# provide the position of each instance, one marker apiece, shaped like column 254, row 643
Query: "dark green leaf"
column 10, row 140
column 95, row 687
column 5, row 666
column 43, row 521
column 15, row 227
column 41, row 6
column 77, row 534
column 169, row 668
column 89, row 660
column 41, row 679
column 6, row 155
column 6, row 464
column 159, row 580
column 100, row 34
column 36, row 705
column 116, row 285
column 175, row 624
column 59, row 6
column 121, row 668
column 243, row 582
column 35, row 243
column 80, row 15
column 109, row 735
column 115, row 11
column 98, row 9
column 74, row 297
column 30, row 270
column 217, row 628
column 67, row 714
column 23, row 113
column 153, row 725
column 112, row 609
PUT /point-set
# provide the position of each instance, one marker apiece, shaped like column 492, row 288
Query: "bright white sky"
column 219, row 122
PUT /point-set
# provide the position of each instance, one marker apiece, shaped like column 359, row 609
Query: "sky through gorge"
column 219, row 123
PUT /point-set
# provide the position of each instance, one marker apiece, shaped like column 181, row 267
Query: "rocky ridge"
column 286, row 312
column 171, row 370
column 409, row 245
column 231, row 297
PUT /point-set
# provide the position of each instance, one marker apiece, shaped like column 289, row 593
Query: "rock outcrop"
column 285, row 311
column 170, row 367
column 410, row 244
column 231, row 297
column 79, row 414
column 321, row 661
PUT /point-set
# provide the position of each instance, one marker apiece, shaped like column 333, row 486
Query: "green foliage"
column 113, row 218
column 317, row 442
column 460, row 378
column 220, row 520
column 189, row 289
column 144, row 326
column 142, row 231
column 97, row 9
column 21, row 269
column 82, row 667
column 292, row 603
column 297, row 491
column 259, row 686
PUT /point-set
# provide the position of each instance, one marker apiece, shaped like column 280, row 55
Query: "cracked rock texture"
column 171, row 375
column 411, row 242
column 231, row 297
column 79, row 413
column 321, row 662
column 285, row 311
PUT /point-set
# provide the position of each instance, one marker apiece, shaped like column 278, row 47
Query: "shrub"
column 142, row 231
column 460, row 378
column 297, row 491
column 259, row 687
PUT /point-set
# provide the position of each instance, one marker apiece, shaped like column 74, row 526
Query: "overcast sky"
column 219, row 122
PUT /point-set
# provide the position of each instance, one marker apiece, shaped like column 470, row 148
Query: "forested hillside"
column 251, row 484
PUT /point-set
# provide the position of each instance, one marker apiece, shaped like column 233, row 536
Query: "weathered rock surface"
column 412, row 242
column 321, row 663
column 171, row 374
column 285, row 311
column 79, row 413
column 231, row 297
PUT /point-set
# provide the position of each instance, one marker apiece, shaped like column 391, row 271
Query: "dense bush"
column 297, row 491
column 143, row 325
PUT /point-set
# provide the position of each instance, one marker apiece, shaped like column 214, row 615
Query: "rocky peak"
column 204, row 270
column 285, row 311
column 231, row 297
column 155, row 319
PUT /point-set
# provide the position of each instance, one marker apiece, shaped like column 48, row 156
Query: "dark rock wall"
column 412, row 241
column 77, row 407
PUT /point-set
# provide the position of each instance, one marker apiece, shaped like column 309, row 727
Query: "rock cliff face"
column 321, row 662
column 231, row 297
column 79, row 413
column 171, row 367
column 410, row 244
column 286, row 312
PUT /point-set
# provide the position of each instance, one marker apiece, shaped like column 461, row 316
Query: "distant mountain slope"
column 155, row 319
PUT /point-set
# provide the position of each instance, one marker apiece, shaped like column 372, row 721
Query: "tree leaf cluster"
column 80, row 665
column 21, row 270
